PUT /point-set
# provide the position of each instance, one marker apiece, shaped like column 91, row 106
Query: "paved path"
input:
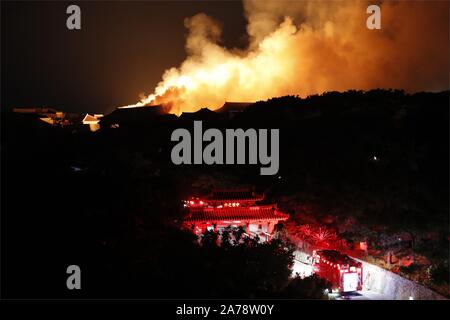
column 379, row 284
column 363, row 295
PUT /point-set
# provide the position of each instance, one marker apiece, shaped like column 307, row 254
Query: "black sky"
column 122, row 49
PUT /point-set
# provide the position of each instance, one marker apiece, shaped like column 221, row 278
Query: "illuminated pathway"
column 303, row 269
column 379, row 284
column 361, row 295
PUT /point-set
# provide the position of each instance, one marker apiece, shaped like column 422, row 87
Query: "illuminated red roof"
column 234, row 214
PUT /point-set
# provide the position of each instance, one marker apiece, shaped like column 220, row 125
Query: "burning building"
column 93, row 121
column 233, row 208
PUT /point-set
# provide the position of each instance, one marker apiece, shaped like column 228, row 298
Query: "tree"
column 209, row 238
column 238, row 233
column 311, row 287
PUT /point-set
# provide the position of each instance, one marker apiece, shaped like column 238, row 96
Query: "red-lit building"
column 233, row 208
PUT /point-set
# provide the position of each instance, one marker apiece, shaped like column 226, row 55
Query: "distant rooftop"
column 267, row 213
column 92, row 118
column 37, row 110
column 234, row 106
column 202, row 114
column 138, row 115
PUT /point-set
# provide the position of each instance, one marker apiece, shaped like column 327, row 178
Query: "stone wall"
column 393, row 286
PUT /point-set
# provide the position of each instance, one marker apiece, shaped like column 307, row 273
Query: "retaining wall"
column 393, row 286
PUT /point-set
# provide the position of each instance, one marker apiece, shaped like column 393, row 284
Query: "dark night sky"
column 121, row 50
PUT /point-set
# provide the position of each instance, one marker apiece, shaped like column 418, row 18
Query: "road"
column 361, row 295
column 383, row 284
column 302, row 269
column 305, row 270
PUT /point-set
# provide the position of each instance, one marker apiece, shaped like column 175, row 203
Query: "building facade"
column 233, row 208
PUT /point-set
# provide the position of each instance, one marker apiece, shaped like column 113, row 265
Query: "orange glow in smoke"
column 308, row 47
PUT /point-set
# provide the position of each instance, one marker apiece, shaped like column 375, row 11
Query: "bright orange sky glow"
column 307, row 48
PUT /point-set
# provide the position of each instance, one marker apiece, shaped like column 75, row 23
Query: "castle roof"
column 267, row 213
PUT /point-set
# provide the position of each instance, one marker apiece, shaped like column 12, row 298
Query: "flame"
column 306, row 48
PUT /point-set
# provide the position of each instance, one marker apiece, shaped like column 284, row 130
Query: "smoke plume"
column 308, row 47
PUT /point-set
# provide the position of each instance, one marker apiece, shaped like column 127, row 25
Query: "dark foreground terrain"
column 109, row 201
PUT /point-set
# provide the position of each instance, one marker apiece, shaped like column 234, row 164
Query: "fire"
column 217, row 75
column 306, row 48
